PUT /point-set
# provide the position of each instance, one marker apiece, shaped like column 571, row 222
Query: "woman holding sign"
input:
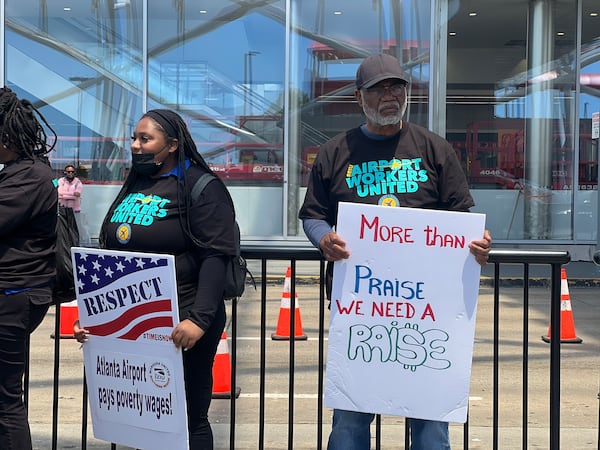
column 154, row 213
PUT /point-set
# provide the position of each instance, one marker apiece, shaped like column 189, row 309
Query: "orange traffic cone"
column 282, row 333
column 567, row 324
column 222, row 371
column 68, row 315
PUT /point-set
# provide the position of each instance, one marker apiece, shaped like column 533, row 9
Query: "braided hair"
column 21, row 129
column 174, row 127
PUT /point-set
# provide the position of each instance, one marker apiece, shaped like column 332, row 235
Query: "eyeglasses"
column 379, row 90
column 69, row 171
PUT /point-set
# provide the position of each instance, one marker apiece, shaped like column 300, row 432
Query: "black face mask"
column 144, row 164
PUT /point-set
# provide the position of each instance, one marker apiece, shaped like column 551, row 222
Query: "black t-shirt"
column 28, row 215
column 150, row 219
column 415, row 168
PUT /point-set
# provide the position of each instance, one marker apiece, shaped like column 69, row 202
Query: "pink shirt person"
column 69, row 190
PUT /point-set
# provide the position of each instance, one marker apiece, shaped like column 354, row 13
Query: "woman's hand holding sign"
column 186, row 334
column 81, row 334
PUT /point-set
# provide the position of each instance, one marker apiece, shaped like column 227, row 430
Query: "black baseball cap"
column 376, row 68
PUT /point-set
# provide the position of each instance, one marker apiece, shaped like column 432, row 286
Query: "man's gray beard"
column 378, row 119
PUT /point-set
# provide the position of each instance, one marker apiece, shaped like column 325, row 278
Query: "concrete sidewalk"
column 579, row 375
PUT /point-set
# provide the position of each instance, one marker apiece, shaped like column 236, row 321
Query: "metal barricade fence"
column 264, row 258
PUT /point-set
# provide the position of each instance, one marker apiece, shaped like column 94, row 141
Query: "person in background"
column 165, row 167
column 69, row 189
column 28, row 215
column 439, row 183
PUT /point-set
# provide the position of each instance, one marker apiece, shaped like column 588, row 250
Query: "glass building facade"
column 513, row 85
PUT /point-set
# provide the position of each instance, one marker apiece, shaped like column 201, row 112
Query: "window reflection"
column 258, row 111
column 329, row 41
column 86, row 79
column 512, row 94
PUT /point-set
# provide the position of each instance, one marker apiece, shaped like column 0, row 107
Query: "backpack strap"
column 197, row 189
column 199, row 186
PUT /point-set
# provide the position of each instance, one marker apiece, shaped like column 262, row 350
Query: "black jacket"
column 28, row 214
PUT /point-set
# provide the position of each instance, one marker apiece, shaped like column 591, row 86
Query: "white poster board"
column 403, row 310
column 134, row 373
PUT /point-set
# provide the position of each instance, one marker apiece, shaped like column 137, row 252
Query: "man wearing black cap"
column 422, row 171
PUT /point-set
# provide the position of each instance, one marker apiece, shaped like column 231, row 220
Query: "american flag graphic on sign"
column 95, row 271
column 124, row 295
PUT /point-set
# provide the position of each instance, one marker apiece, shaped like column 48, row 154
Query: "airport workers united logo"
column 138, row 209
column 385, row 179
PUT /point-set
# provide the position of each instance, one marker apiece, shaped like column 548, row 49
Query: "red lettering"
column 428, row 312
column 384, row 233
column 392, row 309
column 355, row 305
column 374, row 224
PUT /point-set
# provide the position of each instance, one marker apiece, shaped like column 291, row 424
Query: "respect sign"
column 134, row 373
column 403, row 312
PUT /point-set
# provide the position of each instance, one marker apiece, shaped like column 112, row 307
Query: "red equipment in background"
column 494, row 156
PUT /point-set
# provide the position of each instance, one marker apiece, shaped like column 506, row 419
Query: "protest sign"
column 134, row 373
column 403, row 311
